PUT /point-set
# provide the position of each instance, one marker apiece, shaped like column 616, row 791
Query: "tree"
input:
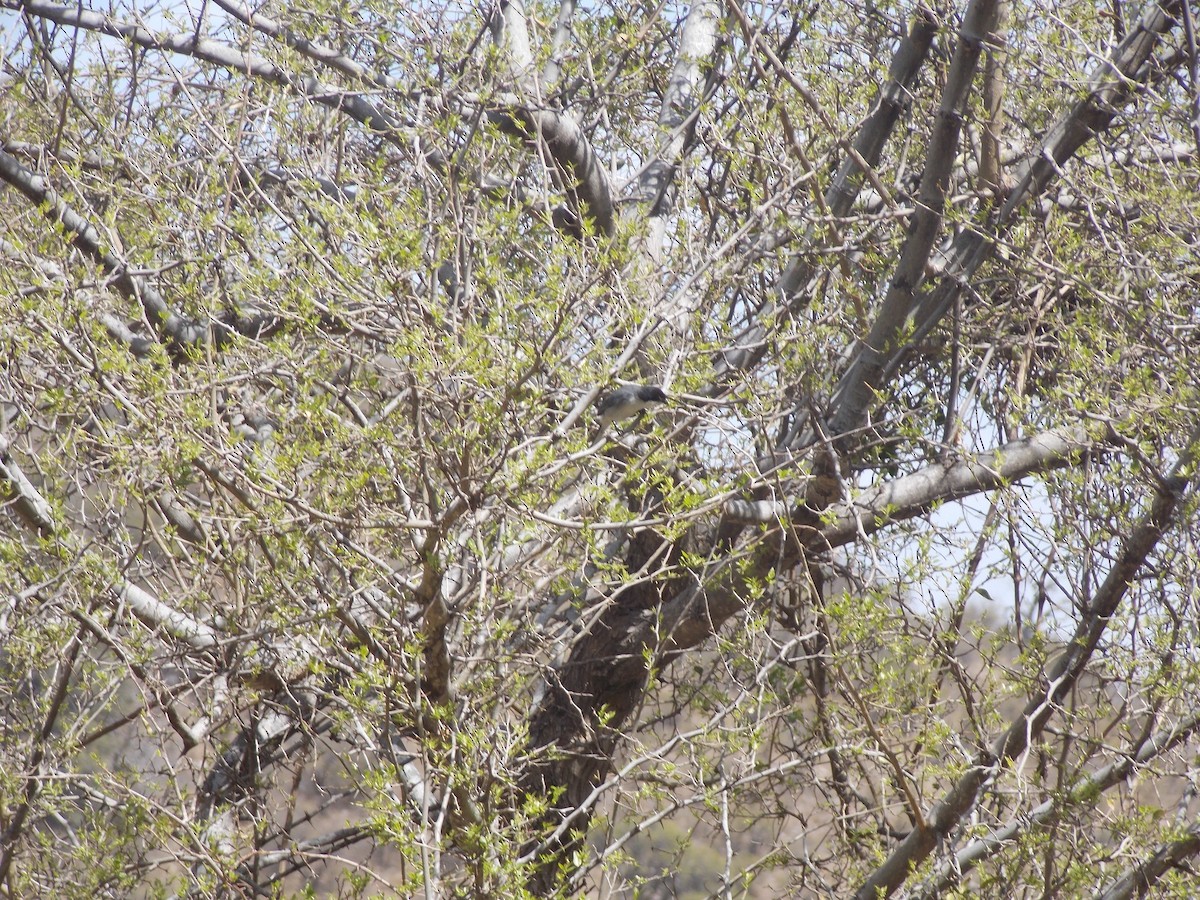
column 319, row 576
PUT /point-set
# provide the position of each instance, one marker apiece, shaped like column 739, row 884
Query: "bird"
column 627, row 401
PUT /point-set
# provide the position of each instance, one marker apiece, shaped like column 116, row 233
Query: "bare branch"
column 182, row 332
column 378, row 119
column 608, row 666
column 857, row 387
column 1060, row 677
column 1140, row 880
column 677, row 120
column 30, row 505
column 694, row 615
column 750, row 345
column 1109, row 87
column 582, row 173
column 1087, row 790
column 18, row 813
column 562, row 33
column 157, row 614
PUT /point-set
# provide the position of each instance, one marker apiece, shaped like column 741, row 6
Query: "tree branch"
column 1086, row 790
column 1110, row 86
column 857, row 387
column 677, row 120
column 180, row 331
column 17, row 813
column 696, row 614
column 378, row 119
column 607, row 668
column 583, row 175
column 1060, row 677
column 327, row 56
column 1139, row 880
column 30, row 506
column 750, row 345
column 37, row 513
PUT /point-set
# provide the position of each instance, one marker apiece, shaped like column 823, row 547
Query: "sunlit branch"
column 182, row 331
column 697, row 613
column 857, row 387
column 1059, row 679
column 1110, row 86
column 1086, row 791
column 568, row 146
column 356, row 106
column 749, row 346
column 1141, row 879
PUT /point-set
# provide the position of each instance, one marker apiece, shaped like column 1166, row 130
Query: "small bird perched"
column 627, row 401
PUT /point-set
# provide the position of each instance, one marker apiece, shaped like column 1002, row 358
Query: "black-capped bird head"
column 627, row 401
